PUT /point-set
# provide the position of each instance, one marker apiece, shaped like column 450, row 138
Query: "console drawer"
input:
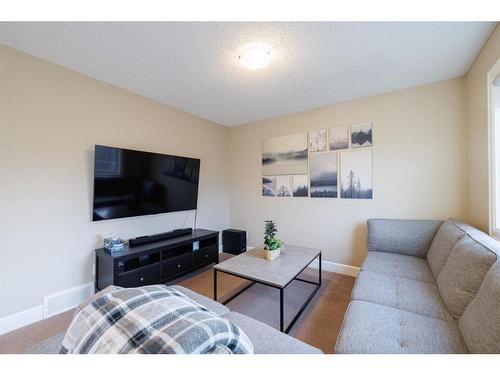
column 206, row 255
column 177, row 265
column 142, row 276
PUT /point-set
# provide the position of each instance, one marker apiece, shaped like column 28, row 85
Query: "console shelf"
column 156, row 263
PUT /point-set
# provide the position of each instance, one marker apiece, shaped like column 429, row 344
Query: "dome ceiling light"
column 255, row 58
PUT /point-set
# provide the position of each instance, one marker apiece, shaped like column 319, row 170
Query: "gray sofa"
column 265, row 339
column 425, row 287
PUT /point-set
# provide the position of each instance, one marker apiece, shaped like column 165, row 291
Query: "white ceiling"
column 194, row 66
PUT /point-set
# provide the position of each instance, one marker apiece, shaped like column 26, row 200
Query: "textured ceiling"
column 194, row 66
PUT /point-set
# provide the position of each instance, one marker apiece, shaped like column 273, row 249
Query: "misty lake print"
column 323, row 174
column 361, row 135
column 268, row 186
column 286, row 155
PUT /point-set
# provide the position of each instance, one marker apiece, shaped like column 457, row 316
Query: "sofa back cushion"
column 480, row 323
column 446, row 238
column 406, row 237
column 463, row 273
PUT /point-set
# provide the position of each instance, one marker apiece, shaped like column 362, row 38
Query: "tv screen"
column 134, row 183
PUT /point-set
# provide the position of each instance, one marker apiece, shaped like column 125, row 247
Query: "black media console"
column 157, row 262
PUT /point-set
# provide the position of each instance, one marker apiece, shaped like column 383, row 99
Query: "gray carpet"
column 318, row 326
column 48, row 346
column 259, row 302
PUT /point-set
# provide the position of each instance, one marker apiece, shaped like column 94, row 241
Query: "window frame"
column 493, row 153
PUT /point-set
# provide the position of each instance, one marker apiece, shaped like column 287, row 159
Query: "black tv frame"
column 97, row 219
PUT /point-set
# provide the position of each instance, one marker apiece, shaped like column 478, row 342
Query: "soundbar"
column 143, row 240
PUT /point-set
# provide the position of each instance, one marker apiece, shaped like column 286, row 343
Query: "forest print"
column 300, row 186
column 356, row 178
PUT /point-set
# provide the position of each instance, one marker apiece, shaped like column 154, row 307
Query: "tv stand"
column 157, row 262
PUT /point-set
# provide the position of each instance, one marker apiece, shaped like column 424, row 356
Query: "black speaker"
column 234, row 241
column 143, row 240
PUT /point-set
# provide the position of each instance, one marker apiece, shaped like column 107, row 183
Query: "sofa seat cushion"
column 398, row 265
column 404, row 294
column 372, row 328
column 446, row 238
column 209, row 303
column 480, row 322
column 463, row 273
column 268, row 340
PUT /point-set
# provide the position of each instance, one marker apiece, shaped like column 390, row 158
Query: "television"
column 135, row 183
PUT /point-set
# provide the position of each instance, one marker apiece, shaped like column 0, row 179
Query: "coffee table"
column 277, row 273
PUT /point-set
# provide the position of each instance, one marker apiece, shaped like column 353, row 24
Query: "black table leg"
column 306, row 303
column 319, row 272
column 282, row 293
column 282, row 308
column 215, row 284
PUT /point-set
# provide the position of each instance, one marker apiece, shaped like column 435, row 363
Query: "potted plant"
column 272, row 244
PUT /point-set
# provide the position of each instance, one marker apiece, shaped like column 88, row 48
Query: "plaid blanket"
column 151, row 319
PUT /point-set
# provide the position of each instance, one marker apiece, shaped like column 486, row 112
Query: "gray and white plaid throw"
column 152, row 319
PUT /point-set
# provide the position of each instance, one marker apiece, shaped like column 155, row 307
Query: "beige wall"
column 419, row 169
column 477, row 132
column 51, row 118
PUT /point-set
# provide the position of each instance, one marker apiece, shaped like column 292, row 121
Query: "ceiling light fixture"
column 255, row 58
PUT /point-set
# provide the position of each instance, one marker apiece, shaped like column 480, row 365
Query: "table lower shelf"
column 282, row 293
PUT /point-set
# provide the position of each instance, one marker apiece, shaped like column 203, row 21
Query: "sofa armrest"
column 407, row 237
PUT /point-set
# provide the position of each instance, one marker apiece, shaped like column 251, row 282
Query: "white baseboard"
column 21, row 319
column 343, row 269
column 52, row 304
column 66, row 300
column 248, row 248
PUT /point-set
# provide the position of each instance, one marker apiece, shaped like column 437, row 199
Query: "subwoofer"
column 234, row 241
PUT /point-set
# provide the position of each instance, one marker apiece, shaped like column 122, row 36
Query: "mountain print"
column 268, row 186
column 361, row 135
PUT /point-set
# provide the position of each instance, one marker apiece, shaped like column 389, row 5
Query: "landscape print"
column 323, row 174
column 268, row 186
column 357, row 175
column 300, row 186
column 361, row 135
column 283, row 188
column 338, row 138
column 317, row 140
column 284, row 155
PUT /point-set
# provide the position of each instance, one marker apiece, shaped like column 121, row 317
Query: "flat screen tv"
column 134, row 183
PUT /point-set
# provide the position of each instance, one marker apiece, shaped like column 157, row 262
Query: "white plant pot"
column 271, row 254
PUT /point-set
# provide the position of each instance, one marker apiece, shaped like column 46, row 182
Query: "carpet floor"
column 318, row 325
